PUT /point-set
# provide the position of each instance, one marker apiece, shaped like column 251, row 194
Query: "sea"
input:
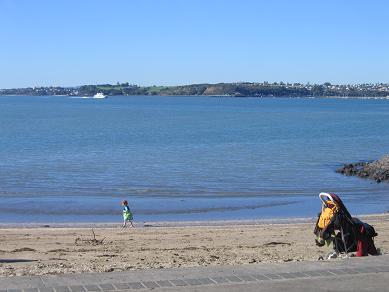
column 66, row 159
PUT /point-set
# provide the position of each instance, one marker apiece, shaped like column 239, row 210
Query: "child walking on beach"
column 127, row 215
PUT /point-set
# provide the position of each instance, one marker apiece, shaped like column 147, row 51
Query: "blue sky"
column 173, row 42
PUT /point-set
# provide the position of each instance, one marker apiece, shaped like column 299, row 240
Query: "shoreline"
column 220, row 96
column 205, row 223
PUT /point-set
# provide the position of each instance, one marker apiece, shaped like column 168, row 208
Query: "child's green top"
column 127, row 215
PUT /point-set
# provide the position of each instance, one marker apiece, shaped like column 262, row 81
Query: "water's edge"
column 172, row 224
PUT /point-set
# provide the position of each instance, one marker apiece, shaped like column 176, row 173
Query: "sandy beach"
column 50, row 250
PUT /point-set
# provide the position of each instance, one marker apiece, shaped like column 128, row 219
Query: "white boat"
column 99, row 95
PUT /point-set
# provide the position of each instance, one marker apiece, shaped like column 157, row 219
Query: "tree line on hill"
column 243, row 89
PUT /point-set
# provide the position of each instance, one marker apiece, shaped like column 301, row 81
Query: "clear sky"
column 170, row 42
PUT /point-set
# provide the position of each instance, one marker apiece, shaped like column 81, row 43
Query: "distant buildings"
column 260, row 89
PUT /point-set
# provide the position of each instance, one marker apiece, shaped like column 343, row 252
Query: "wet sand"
column 57, row 250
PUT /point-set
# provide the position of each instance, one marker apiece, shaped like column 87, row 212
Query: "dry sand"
column 37, row 251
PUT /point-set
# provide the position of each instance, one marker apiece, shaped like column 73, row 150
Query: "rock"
column 377, row 170
column 352, row 168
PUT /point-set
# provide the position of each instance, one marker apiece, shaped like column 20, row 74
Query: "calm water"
column 185, row 158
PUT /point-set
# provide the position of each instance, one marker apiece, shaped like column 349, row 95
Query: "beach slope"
column 38, row 251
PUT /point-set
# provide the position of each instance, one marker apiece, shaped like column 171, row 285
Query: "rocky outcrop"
column 377, row 170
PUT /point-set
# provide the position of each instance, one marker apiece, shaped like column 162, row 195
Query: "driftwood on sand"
column 92, row 241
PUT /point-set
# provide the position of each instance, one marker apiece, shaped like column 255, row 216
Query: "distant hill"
column 241, row 89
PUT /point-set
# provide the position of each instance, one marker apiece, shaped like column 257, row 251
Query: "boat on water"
column 99, row 95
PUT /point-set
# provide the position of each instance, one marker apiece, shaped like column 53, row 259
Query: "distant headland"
column 240, row 89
